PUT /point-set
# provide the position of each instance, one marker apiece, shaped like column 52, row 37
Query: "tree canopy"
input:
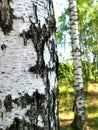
column 88, row 32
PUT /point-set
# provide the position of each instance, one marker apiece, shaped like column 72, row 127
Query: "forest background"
column 88, row 35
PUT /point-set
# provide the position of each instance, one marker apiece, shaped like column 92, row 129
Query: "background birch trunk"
column 79, row 104
column 28, row 66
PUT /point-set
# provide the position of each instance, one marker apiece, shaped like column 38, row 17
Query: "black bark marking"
column 8, row 102
column 25, row 100
column 3, row 72
column 3, row 47
column 77, row 49
column 52, row 25
column 36, row 109
column 19, row 124
column 35, row 13
column 54, row 98
column 6, row 16
column 38, row 98
column 1, row 115
column 39, row 41
column 48, row 98
column 38, row 36
column 54, row 56
column 51, row 19
column 23, row 34
column 0, row 104
column 57, row 63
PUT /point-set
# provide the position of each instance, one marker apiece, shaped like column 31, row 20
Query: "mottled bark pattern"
column 36, row 102
column 39, row 37
column 28, row 71
column 79, row 102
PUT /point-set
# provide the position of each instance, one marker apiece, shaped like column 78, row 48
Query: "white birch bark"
column 28, row 66
column 79, row 104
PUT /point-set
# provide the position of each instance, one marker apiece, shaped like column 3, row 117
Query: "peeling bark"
column 28, row 66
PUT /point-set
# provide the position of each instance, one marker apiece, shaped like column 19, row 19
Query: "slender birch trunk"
column 28, row 66
column 79, row 103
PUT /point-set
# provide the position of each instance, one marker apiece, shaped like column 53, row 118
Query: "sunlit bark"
column 28, row 66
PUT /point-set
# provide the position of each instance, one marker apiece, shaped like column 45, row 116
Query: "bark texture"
column 79, row 103
column 28, row 66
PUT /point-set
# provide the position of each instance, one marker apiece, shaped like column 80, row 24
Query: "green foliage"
column 87, row 73
column 63, row 27
column 66, row 71
column 87, row 70
column 88, row 34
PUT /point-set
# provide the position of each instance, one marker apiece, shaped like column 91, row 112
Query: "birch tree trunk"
column 79, row 103
column 28, row 66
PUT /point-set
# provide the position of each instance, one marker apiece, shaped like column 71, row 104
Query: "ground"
column 66, row 115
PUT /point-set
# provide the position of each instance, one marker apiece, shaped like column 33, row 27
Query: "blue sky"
column 63, row 52
column 59, row 6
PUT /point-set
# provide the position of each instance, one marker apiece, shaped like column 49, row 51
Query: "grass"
column 66, row 115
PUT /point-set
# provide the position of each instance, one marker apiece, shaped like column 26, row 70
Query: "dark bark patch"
column 6, row 16
column 2, row 115
column 25, row 100
column 36, row 109
column 23, row 125
column 3, row 47
column 0, row 104
column 36, row 102
column 51, row 19
column 35, row 13
column 38, row 98
column 36, row 34
column 8, row 103
column 36, row 69
column 23, row 34
column 16, row 125
column 77, row 49
column 54, row 56
column 39, row 36
column 3, row 72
